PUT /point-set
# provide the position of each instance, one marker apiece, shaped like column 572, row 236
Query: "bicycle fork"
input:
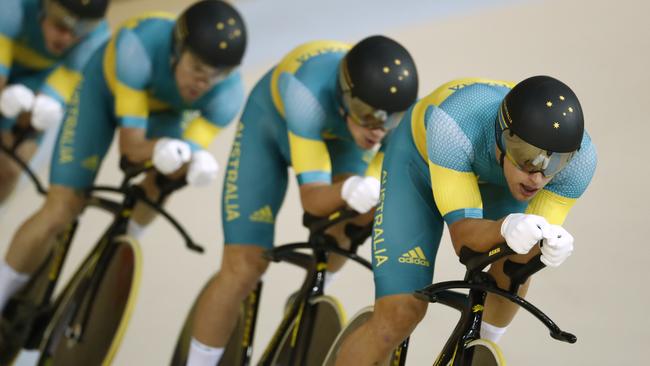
column 467, row 330
column 251, row 307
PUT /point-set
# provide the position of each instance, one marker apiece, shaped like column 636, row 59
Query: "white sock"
column 329, row 278
column 491, row 332
column 10, row 282
column 135, row 230
column 203, row 355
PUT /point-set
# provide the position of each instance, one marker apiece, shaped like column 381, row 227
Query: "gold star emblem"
column 85, row 2
column 406, row 73
column 386, row 70
column 400, row 78
column 561, row 97
column 220, row 26
column 564, row 113
column 556, row 125
column 223, row 45
column 398, row 62
column 237, row 33
column 549, row 104
column 571, row 109
column 393, row 89
column 231, row 21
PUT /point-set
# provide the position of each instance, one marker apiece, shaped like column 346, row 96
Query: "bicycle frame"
column 301, row 313
column 98, row 258
column 100, row 255
column 471, row 305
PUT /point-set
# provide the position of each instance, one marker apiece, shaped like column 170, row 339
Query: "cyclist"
column 187, row 66
column 323, row 109
column 503, row 165
column 44, row 44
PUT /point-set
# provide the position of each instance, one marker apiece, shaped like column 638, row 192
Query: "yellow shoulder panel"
column 292, row 62
column 436, row 98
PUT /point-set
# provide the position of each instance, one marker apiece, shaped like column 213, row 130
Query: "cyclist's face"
column 58, row 37
column 365, row 137
column 194, row 77
column 523, row 185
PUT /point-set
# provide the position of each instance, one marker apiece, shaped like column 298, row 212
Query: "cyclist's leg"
column 499, row 312
column 82, row 142
column 406, row 234
column 254, row 187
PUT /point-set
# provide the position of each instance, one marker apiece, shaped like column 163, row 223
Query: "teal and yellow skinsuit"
column 291, row 118
column 129, row 82
column 24, row 59
column 441, row 166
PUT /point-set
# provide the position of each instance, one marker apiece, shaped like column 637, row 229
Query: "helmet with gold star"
column 540, row 125
column 377, row 79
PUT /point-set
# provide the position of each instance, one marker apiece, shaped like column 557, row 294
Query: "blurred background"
column 600, row 48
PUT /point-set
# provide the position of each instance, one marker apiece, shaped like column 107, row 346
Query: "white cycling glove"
column 523, row 231
column 203, row 169
column 169, row 155
column 15, row 99
column 47, row 112
column 361, row 193
column 557, row 247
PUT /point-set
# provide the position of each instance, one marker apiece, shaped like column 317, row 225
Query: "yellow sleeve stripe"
column 64, row 81
column 436, row 98
column 31, row 59
column 553, row 207
column 130, row 102
column 156, row 105
column 418, row 131
column 6, row 50
column 308, row 155
column 374, row 168
column 201, row 131
column 292, row 62
column 454, row 190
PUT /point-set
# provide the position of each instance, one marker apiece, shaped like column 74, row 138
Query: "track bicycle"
column 85, row 323
column 465, row 347
column 312, row 320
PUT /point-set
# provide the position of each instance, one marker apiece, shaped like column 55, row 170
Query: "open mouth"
column 371, row 142
column 193, row 93
column 528, row 191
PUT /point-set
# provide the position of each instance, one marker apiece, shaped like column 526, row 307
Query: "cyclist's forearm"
column 135, row 145
column 476, row 234
column 321, row 199
column 3, row 83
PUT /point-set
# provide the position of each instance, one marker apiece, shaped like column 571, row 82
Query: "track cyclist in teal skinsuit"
column 44, row 45
column 322, row 110
column 167, row 86
column 494, row 163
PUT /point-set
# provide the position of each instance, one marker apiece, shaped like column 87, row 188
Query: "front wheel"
column 327, row 322
column 357, row 320
column 108, row 313
column 484, row 353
